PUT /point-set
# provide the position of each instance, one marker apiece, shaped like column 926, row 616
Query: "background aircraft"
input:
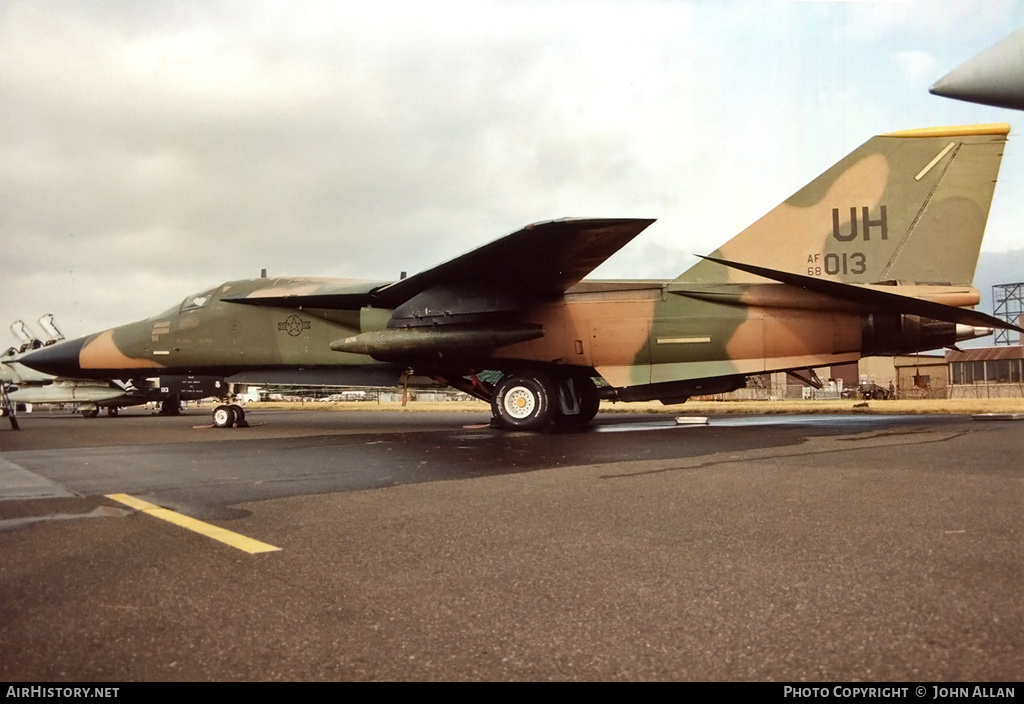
column 873, row 257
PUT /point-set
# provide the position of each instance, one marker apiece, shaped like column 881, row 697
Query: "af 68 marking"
column 833, row 264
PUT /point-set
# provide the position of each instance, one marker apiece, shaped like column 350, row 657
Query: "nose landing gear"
column 229, row 415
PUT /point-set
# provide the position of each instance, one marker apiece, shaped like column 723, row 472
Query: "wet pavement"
column 420, row 546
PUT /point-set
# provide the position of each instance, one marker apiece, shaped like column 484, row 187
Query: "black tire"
column 588, row 399
column 524, row 401
column 90, row 413
column 223, row 416
column 112, row 411
column 239, row 416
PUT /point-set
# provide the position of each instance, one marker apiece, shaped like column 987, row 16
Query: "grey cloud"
column 149, row 150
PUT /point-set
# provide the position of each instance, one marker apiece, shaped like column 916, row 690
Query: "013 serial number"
column 832, row 264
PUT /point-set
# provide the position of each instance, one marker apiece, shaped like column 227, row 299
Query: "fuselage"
column 631, row 333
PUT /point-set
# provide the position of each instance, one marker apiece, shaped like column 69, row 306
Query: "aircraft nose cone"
column 60, row 359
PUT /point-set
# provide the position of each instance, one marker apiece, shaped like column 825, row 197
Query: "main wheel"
column 112, row 411
column 524, row 401
column 223, row 416
column 577, row 393
column 91, row 412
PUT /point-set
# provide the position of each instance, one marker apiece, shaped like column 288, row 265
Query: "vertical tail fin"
column 905, row 206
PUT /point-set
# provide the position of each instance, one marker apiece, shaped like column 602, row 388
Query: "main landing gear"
column 228, row 415
column 531, row 400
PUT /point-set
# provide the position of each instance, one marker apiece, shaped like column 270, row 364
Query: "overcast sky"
column 154, row 149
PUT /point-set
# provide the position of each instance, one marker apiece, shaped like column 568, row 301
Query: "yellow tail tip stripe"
column 210, row 531
column 956, row 131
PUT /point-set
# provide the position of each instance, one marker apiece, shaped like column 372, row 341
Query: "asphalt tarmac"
column 420, row 546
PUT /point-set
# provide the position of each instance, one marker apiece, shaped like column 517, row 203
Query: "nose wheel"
column 229, row 415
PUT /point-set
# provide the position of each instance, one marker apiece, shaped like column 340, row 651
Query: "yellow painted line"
column 225, row 536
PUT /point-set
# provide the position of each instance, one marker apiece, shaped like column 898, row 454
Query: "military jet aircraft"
column 873, row 257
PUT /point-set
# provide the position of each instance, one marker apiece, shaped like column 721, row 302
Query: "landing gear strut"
column 170, row 406
column 578, row 401
column 7, row 409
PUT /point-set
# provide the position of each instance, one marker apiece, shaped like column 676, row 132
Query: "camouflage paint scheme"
column 875, row 256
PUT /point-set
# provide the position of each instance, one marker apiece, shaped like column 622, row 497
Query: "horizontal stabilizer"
column 874, row 298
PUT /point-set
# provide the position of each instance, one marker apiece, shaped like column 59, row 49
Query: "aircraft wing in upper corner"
column 993, row 77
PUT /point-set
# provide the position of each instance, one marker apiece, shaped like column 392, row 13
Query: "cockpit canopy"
column 199, row 300
column 193, row 302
